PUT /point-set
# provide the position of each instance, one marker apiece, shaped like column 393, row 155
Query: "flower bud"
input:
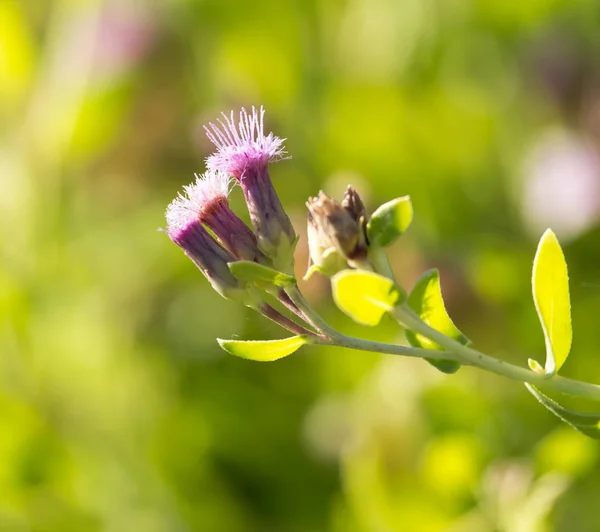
column 354, row 205
column 185, row 229
column 323, row 256
column 337, row 227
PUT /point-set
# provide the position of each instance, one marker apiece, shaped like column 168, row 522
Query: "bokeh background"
column 118, row 411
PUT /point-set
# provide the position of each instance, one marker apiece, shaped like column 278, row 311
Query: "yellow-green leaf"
column 535, row 366
column 263, row 350
column 426, row 300
column 588, row 424
column 389, row 221
column 364, row 296
column 332, row 262
column 551, row 297
column 246, row 270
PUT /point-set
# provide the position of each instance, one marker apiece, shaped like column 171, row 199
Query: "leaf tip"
column 224, row 344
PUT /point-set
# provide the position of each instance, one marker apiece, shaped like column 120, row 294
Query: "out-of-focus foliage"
column 119, row 411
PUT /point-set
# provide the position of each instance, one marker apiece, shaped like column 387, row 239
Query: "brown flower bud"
column 337, row 227
column 354, row 205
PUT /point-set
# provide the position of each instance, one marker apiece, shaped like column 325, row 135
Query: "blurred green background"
column 118, row 411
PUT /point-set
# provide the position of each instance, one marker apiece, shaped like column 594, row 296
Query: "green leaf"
column 364, row 296
column 551, row 297
column 389, row 221
column 263, row 350
column 246, row 270
column 535, row 366
column 331, row 262
column 588, row 424
column 426, row 300
column 311, row 271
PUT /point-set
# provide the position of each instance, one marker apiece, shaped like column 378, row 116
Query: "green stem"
column 310, row 315
column 454, row 350
column 336, row 338
column 380, row 262
column 283, row 321
column 468, row 356
column 350, row 342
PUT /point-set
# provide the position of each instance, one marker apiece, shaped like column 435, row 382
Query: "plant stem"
column 454, row 350
column 468, row 356
column 310, row 315
column 380, row 262
column 379, row 347
column 274, row 315
column 285, row 300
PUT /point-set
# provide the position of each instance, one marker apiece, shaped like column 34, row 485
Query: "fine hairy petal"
column 180, row 213
column 206, row 201
column 211, row 187
column 242, row 144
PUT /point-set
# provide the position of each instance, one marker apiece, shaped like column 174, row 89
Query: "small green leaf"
column 535, row 366
column 389, row 221
column 263, row 350
column 331, row 262
column 364, row 296
column 426, row 300
column 588, row 424
column 311, row 271
column 551, row 297
column 246, row 270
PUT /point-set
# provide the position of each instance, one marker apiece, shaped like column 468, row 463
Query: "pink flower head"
column 243, row 145
column 185, row 229
column 244, row 152
column 209, row 188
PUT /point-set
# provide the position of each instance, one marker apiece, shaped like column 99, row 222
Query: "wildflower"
column 185, row 229
column 244, row 151
column 206, row 201
column 208, row 197
column 337, row 231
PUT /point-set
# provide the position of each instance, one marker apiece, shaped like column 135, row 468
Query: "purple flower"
column 185, row 229
column 204, row 202
column 244, row 152
column 207, row 196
